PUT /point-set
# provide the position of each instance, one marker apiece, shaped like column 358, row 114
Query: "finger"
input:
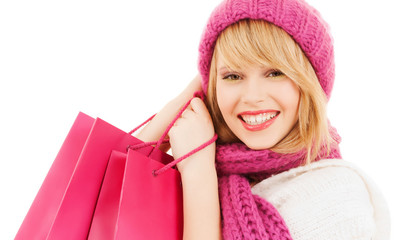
column 174, row 125
column 187, row 113
column 188, row 108
column 180, row 120
column 198, row 106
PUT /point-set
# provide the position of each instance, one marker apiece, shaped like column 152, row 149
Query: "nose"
column 253, row 91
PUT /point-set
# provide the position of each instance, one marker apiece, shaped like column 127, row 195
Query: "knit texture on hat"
column 248, row 216
column 296, row 17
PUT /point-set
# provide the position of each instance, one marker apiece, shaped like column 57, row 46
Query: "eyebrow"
column 222, row 69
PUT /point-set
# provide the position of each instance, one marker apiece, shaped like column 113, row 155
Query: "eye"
column 232, row 77
column 276, row 73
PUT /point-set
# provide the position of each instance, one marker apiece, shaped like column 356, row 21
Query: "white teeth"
column 258, row 119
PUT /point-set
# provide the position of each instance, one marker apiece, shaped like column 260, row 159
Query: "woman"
column 267, row 68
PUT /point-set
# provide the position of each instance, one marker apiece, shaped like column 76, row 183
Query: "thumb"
column 199, row 107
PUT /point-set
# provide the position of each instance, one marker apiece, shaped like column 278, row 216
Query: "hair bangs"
column 241, row 45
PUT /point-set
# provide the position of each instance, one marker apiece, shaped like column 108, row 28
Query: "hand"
column 154, row 129
column 192, row 87
column 191, row 130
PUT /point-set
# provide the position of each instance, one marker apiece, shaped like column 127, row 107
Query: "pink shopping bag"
column 106, row 212
column 151, row 207
column 135, row 204
column 141, row 195
column 63, row 207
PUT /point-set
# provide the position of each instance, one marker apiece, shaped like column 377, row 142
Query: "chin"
column 259, row 146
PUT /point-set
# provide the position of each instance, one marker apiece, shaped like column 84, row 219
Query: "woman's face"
column 259, row 104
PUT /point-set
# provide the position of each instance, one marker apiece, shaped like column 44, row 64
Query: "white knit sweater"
column 328, row 199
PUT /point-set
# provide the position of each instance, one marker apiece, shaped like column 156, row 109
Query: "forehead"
column 239, row 64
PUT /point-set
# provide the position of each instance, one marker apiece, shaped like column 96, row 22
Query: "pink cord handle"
column 162, row 139
column 139, row 126
column 145, row 144
column 196, row 94
column 173, row 163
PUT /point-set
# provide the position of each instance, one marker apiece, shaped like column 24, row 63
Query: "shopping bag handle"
column 173, row 163
column 144, row 123
column 162, row 139
column 199, row 94
column 144, row 144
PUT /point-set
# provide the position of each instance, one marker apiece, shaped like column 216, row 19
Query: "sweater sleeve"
column 322, row 203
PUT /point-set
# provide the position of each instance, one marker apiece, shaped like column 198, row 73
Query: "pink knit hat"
column 296, row 17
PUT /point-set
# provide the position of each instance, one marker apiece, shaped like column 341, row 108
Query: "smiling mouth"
column 258, row 119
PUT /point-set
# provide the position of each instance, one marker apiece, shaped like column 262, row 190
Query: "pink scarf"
column 244, row 215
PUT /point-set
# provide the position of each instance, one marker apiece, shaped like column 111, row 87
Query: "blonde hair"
column 260, row 42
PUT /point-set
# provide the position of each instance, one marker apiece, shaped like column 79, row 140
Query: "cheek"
column 288, row 96
column 225, row 99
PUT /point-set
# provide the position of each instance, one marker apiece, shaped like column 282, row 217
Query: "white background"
column 123, row 60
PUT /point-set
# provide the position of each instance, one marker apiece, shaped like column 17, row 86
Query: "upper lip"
column 257, row 112
column 259, row 115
